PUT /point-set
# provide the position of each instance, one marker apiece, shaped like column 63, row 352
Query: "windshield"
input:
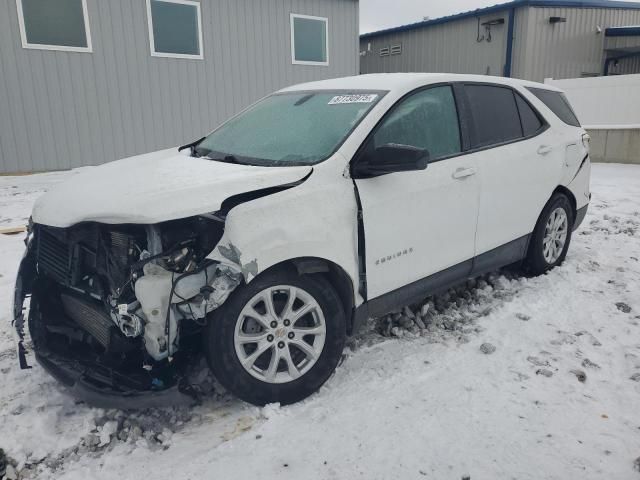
column 298, row 128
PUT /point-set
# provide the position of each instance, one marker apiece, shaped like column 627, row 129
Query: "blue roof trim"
column 622, row 31
column 504, row 7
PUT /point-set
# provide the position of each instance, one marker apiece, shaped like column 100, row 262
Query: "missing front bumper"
column 83, row 389
column 90, row 382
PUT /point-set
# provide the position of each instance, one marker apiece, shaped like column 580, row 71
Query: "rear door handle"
column 544, row 149
column 461, row 173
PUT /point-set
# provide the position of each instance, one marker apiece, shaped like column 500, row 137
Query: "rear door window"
column 558, row 104
column 494, row 113
column 529, row 119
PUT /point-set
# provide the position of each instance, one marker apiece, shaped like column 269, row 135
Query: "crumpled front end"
column 115, row 312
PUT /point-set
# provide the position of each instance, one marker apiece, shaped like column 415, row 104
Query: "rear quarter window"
column 531, row 123
column 558, row 104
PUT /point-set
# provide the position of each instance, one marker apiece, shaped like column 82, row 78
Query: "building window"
column 175, row 28
column 54, row 25
column 309, row 40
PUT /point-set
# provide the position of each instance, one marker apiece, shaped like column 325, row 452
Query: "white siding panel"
column 604, row 102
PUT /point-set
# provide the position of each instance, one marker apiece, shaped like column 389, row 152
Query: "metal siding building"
column 540, row 49
column 61, row 109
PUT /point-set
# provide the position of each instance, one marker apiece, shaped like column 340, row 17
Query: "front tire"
column 551, row 237
column 277, row 339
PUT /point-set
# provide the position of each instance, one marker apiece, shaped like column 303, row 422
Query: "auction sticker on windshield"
column 362, row 98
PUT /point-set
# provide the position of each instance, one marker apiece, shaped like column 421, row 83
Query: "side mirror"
column 390, row 158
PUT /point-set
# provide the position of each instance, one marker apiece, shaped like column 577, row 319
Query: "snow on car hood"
column 153, row 188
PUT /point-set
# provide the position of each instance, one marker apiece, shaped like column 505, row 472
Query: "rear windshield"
column 297, row 128
column 558, row 104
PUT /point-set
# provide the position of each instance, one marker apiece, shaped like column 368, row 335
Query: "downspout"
column 510, row 34
column 606, row 66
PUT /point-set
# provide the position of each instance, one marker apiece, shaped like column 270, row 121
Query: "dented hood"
column 153, row 188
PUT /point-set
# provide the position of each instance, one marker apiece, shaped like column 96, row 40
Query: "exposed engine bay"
column 123, row 306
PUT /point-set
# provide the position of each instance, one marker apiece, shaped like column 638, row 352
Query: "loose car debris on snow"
column 487, row 348
column 623, row 307
column 537, row 361
column 580, row 375
column 586, row 363
column 455, row 311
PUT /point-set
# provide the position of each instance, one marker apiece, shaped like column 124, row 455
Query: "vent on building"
column 396, row 49
column 384, row 51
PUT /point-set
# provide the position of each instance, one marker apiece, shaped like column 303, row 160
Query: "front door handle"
column 544, row 149
column 461, row 173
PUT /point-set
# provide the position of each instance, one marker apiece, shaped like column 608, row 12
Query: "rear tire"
column 551, row 237
column 277, row 353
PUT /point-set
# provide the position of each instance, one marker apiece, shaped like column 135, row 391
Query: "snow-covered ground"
column 412, row 398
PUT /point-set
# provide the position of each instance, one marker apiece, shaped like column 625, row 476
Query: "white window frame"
column 293, row 44
column 62, row 48
column 152, row 46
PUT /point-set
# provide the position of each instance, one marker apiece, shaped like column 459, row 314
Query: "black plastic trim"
column 105, row 399
column 502, row 256
column 191, row 145
column 506, row 254
column 362, row 252
column 580, row 214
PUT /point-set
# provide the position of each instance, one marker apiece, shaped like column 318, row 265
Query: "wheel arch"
column 569, row 194
column 332, row 272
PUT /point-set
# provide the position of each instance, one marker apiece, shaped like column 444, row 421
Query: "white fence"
column 604, row 103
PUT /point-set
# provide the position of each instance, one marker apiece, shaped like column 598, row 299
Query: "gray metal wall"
column 60, row 110
column 449, row 47
column 626, row 66
column 540, row 50
column 564, row 50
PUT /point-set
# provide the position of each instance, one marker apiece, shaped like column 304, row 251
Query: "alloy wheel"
column 555, row 235
column 279, row 334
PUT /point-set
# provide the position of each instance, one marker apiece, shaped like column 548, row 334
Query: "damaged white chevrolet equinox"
column 263, row 245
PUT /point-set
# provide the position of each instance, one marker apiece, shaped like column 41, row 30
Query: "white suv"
column 266, row 243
